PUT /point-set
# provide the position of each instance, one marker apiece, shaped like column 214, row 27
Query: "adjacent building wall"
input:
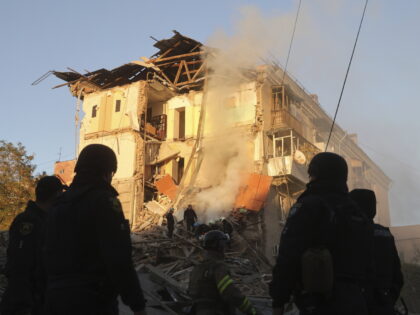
column 408, row 242
column 111, row 118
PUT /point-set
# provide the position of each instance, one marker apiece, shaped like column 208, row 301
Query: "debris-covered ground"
column 164, row 266
column 168, row 263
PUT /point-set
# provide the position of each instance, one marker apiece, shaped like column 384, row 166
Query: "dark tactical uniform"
column 170, row 221
column 213, row 291
column 324, row 215
column 388, row 279
column 88, row 256
column 190, row 217
column 24, row 268
column 386, row 282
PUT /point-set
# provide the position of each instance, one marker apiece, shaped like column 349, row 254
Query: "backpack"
column 347, row 239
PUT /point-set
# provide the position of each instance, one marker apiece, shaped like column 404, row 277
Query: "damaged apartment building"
column 153, row 113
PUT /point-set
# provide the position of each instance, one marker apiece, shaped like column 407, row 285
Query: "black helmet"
column 96, row 159
column 215, row 240
column 366, row 200
column 328, row 166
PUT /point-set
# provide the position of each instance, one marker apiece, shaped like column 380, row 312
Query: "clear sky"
column 380, row 102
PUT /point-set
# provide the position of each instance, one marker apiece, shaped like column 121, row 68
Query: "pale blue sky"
column 380, row 102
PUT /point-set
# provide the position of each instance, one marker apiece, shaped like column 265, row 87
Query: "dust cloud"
column 228, row 151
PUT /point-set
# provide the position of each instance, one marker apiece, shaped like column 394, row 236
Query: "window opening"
column 117, row 105
column 94, row 111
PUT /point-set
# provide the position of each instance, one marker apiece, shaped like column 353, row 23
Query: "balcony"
column 287, row 166
column 282, row 119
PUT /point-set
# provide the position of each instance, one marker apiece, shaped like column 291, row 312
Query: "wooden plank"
column 169, row 50
column 187, row 71
column 178, row 73
column 165, row 278
column 174, row 64
column 198, row 72
column 176, row 57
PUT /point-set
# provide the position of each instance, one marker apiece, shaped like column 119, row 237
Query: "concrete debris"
column 170, row 261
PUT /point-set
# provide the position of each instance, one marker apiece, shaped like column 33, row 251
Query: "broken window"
column 94, row 110
column 159, row 122
column 280, row 99
column 179, row 124
column 284, row 143
column 178, row 169
column 117, row 106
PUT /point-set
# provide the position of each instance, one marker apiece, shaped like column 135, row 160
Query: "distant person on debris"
column 170, row 222
column 24, row 268
column 201, row 230
column 387, row 280
column 88, row 246
column 227, row 227
column 190, row 217
column 325, row 253
column 211, row 286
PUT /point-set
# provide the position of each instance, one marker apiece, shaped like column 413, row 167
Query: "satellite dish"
column 299, row 157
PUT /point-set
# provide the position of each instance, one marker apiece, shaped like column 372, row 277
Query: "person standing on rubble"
column 170, row 222
column 211, row 286
column 24, row 268
column 190, row 217
column 88, row 245
column 387, row 281
column 325, row 248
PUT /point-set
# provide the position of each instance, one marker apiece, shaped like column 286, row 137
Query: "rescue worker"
column 387, row 281
column 88, row 246
column 190, row 217
column 324, row 252
column 201, row 230
column 170, row 222
column 211, row 286
column 227, row 227
column 24, row 268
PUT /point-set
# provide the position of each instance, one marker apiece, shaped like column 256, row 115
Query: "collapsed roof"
column 178, row 64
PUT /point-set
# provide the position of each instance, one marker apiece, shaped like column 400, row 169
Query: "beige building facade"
column 154, row 114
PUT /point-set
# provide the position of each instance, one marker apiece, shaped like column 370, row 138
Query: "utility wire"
column 291, row 42
column 347, row 73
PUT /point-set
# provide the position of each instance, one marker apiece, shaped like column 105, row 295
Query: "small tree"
column 16, row 181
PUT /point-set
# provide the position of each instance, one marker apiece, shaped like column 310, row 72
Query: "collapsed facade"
column 154, row 113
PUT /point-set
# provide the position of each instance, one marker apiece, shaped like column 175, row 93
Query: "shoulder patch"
column 294, row 209
column 26, row 228
column 116, row 204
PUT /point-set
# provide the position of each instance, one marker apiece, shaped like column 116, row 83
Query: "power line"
column 347, row 73
column 291, row 42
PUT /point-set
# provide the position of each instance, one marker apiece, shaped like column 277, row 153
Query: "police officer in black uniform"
column 387, row 281
column 170, row 222
column 211, row 286
column 88, row 246
column 24, row 268
column 190, row 217
column 326, row 229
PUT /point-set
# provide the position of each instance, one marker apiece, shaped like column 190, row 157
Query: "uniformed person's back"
column 387, row 280
column 88, row 247
column 24, row 269
column 324, row 252
column 211, row 286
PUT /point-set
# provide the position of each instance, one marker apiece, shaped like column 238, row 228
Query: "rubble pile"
column 176, row 257
column 168, row 263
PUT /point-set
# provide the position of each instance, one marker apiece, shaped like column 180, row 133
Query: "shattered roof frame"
column 178, row 64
